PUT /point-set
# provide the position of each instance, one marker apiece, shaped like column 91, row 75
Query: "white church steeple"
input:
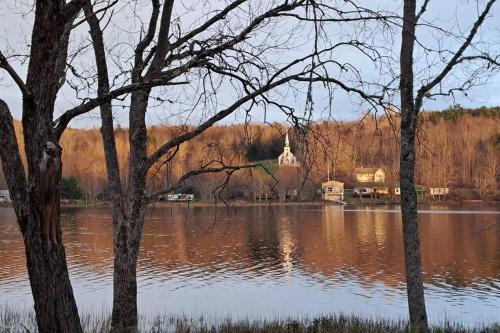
column 287, row 158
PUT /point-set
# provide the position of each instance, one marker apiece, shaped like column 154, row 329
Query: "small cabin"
column 332, row 190
column 370, row 175
column 439, row 191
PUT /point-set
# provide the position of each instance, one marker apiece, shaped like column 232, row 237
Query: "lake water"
column 268, row 262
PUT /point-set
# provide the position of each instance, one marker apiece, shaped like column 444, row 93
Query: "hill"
column 457, row 148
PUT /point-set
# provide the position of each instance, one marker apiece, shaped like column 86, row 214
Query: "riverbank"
column 355, row 203
column 270, row 203
column 17, row 321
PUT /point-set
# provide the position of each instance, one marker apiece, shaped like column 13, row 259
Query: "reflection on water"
column 278, row 261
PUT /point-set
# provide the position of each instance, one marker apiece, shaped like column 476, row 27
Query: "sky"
column 455, row 16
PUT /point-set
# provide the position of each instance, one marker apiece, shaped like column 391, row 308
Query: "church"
column 287, row 158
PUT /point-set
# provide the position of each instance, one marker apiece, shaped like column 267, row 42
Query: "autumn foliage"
column 457, row 148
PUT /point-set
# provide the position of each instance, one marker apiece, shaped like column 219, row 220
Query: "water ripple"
column 300, row 260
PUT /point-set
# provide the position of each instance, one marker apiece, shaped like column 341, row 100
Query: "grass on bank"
column 23, row 321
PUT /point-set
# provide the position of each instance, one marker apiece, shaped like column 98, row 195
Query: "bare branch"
column 422, row 10
column 250, row 96
column 424, row 90
column 491, row 61
column 11, row 163
column 148, row 38
column 107, row 129
column 163, row 40
column 72, row 8
column 204, row 170
column 20, row 83
column 62, row 122
column 94, row 13
column 214, row 19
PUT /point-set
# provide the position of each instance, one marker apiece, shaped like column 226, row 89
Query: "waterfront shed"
column 332, row 190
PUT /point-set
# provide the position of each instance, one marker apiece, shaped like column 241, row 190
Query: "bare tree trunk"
column 409, row 116
column 55, row 305
column 128, row 231
column 124, row 316
column 128, row 219
column 126, row 246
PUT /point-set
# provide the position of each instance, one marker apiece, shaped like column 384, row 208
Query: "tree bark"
column 55, row 305
column 124, row 317
column 409, row 117
column 128, row 230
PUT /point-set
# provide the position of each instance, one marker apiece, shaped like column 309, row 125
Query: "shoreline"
column 246, row 203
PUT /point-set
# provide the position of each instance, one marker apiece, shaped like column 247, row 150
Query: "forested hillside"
column 458, row 148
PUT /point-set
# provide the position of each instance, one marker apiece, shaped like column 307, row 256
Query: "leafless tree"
column 47, row 269
column 412, row 99
column 485, row 177
column 222, row 52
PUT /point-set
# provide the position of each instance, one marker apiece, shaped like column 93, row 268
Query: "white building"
column 439, row 191
column 4, row 196
column 287, row 158
column 332, row 190
column 176, row 197
column 370, row 175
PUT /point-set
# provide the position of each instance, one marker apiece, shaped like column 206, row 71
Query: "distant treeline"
column 457, row 148
column 456, row 112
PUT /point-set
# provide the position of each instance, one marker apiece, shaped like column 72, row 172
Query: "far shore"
column 274, row 203
column 245, row 203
